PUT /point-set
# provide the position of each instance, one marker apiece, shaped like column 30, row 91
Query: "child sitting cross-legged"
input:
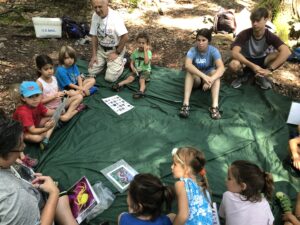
column 34, row 116
column 140, row 65
column 51, row 96
column 69, row 77
column 145, row 199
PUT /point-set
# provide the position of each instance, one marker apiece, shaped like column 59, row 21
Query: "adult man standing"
column 250, row 52
column 109, row 36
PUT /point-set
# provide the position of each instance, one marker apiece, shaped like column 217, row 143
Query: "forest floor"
column 171, row 37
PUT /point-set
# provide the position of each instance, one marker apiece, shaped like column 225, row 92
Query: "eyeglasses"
column 20, row 149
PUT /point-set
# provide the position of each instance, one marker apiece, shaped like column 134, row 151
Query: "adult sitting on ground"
column 204, row 67
column 20, row 201
column 250, row 55
column 109, row 36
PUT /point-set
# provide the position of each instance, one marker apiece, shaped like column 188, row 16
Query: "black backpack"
column 72, row 29
column 224, row 21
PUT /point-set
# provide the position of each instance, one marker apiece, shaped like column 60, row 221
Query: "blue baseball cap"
column 29, row 88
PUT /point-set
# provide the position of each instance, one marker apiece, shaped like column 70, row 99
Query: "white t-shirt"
column 108, row 29
column 239, row 212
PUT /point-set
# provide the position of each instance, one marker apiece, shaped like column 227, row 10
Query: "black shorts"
column 258, row 61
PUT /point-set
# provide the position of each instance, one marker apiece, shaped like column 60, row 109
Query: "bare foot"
column 68, row 115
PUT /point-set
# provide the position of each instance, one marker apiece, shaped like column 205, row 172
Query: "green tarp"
column 253, row 127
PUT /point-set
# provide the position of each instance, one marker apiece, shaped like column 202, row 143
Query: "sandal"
column 81, row 107
column 138, row 94
column 215, row 113
column 116, row 87
column 86, row 93
column 184, row 111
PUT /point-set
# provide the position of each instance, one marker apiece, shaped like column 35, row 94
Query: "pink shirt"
column 50, row 89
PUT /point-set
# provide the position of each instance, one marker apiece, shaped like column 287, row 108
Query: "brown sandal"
column 215, row 113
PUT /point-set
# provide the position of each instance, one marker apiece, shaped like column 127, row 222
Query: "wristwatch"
column 271, row 69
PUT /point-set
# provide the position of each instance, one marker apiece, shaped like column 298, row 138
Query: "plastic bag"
column 106, row 198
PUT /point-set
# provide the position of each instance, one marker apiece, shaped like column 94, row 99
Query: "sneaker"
column 116, row 87
column 184, row 111
column 238, row 81
column 263, row 82
column 284, row 201
column 44, row 143
column 93, row 90
column 30, row 162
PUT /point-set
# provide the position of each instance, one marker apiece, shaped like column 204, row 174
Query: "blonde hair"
column 66, row 50
column 195, row 159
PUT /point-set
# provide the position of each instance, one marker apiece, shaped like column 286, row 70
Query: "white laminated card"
column 294, row 115
column 120, row 174
column 117, row 104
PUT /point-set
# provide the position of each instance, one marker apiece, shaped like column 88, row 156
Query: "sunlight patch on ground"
column 188, row 23
column 288, row 75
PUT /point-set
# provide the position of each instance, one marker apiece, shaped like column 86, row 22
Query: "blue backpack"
column 72, row 29
column 295, row 56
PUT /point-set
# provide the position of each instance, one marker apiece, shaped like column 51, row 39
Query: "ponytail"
column 269, row 186
column 169, row 196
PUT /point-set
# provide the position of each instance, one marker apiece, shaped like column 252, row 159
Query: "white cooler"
column 47, row 27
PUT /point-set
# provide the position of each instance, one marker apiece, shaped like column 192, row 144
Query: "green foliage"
column 282, row 26
column 132, row 3
column 272, row 5
column 12, row 18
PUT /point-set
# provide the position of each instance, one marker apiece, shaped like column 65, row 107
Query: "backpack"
column 224, row 21
column 72, row 29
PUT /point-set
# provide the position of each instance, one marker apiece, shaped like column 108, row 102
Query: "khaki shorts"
column 143, row 74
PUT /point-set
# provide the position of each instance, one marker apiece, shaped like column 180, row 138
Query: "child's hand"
column 67, row 93
column 45, row 184
column 208, row 80
column 146, row 47
column 289, row 217
column 60, row 94
column 206, row 87
column 49, row 124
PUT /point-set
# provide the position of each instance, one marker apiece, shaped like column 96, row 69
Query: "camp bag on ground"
column 72, row 29
column 224, row 21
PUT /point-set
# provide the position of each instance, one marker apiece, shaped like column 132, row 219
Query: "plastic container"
column 47, row 27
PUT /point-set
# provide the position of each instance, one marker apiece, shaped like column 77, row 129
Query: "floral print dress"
column 200, row 211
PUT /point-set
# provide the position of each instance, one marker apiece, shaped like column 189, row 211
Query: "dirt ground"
column 171, row 37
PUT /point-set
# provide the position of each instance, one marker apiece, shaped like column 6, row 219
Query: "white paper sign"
column 117, row 104
column 294, row 115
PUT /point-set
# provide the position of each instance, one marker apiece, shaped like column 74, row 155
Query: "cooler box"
column 47, row 27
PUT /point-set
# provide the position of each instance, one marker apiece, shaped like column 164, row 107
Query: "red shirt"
column 30, row 116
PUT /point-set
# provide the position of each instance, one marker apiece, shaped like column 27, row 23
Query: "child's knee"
column 77, row 97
